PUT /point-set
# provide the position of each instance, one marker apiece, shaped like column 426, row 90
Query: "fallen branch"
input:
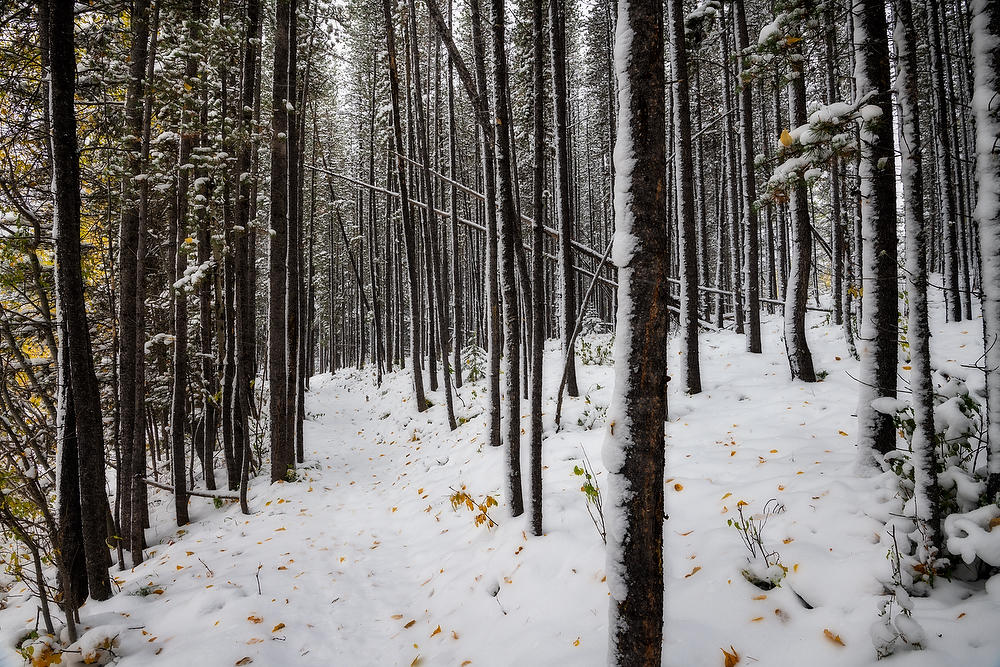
column 191, row 492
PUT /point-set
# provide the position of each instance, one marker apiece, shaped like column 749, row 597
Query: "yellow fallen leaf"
column 416, row 661
column 410, row 624
column 397, row 616
column 760, row 597
column 466, row 662
column 577, row 642
column 454, row 635
column 692, row 572
column 255, row 619
column 732, row 659
column 279, row 626
column 758, row 618
column 437, row 630
column 678, row 487
column 788, row 540
column 254, row 640
column 832, row 637
column 786, row 138
column 841, row 432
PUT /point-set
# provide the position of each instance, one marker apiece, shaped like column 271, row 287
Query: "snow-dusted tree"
column 925, row 488
column 537, row 248
column 986, row 104
column 509, row 238
column 879, row 332
column 634, row 444
column 684, row 179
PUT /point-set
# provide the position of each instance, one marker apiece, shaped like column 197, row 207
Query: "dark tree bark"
column 537, row 289
column 564, row 213
column 634, row 451
column 687, row 236
column 282, row 441
column 79, row 397
column 879, row 333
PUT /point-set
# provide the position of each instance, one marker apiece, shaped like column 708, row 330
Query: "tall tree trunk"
column 945, row 155
column 537, row 240
column 751, row 249
column 511, row 431
column 634, row 448
column 878, row 226
column 687, row 238
column 797, row 288
column 131, row 386
column 79, row 401
column 564, row 213
column 282, row 445
column 925, row 487
column 409, row 238
column 986, row 52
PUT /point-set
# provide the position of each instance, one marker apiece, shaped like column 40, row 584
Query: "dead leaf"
column 786, row 138
column 255, row 619
column 279, row 626
column 832, row 637
column 395, row 616
column 244, row 661
column 758, row 618
column 697, row 567
column 678, row 487
column 437, row 630
column 732, row 659
column 410, row 624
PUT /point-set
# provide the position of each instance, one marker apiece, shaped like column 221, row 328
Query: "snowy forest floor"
column 363, row 561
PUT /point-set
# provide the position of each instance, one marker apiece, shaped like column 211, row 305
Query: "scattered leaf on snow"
column 732, row 659
column 758, row 618
column 678, row 487
column 255, row 619
column 577, row 642
column 725, row 496
column 696, row 568
column 279, row 626
column 410, row 624
column 244, row 661
column 437, row 630
column 760, row 597
column 832, row 637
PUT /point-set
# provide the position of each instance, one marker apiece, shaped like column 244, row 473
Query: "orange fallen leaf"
column 397, row 616
column 466, row 662
column 437, row 631
column 760, row 597
column 577, row 642
column 244, row 661
column 732, row 659
column 678, row 487
column 454, row 635
column 692, row 572
column 254, row 640
column 685, row 534
column 279, row 626
column 410, row 624
column 758, row 618
column 841, row 433
column 960, row 615
column 255, row 619
column 832, row 637
column 788, row 540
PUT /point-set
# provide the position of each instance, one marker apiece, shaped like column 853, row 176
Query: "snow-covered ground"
column 363, row 560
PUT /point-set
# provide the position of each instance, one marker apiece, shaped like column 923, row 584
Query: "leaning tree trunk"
column 690, row 362
column 925, row 487
column 878, row 227
column 634, row 448
column 986, row 52
column 79, row 404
